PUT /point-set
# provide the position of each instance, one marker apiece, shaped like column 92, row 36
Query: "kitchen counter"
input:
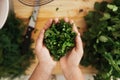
column 73, row 9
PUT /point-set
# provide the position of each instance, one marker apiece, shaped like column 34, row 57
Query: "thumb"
column 41, row 37
column 78, row 41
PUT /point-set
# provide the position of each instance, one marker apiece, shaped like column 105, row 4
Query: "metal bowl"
column 35, row 2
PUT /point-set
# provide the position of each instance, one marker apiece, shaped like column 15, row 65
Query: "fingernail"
column 66, row 19
column 78, row 34
column 51, row 19
column 71, row 21
column 56, row 20
column 42, row 31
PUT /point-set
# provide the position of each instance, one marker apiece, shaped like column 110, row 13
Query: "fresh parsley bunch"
column 12, row 62
column 102, row 39
column 59, row 39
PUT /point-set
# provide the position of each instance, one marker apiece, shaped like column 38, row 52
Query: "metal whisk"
column 35, row 2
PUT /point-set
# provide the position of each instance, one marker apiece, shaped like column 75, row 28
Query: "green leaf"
column 112, row 7
column 106, row 16
column 103, row 38
column 109, row 58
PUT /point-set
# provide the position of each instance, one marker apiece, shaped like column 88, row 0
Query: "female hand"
column 41, row 51
column 70, row 62
column 46, row 64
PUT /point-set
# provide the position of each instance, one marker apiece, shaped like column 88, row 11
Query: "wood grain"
column 66, row 8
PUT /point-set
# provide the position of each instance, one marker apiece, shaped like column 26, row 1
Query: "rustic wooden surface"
column 66, row 8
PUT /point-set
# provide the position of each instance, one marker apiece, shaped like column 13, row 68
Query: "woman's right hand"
column 70, row 62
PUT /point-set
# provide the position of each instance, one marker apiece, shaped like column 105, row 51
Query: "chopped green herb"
column 57, row 9
column 35, row 30
column 81, row 10
column 59, row 39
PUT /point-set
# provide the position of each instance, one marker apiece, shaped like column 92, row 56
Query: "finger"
column 41, row 37
column 71, row 21
column 75, row 29
column 66, row 19
column 56, row 20
column 79, row 46
column 48, row 24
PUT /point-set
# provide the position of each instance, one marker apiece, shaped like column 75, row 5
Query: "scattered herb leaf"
column 57, row 9
column 81, row 10
column 35, row 31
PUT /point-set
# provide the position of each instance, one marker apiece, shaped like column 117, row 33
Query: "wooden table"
column 66, row 8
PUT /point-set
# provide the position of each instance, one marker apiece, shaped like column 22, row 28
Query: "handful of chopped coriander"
column 59, row 39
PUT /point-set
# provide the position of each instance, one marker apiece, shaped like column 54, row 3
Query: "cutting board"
column 73, row 9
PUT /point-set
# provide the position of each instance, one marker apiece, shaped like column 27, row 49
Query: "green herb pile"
column 12, row 63
column 59, row 39
column 102, row 40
